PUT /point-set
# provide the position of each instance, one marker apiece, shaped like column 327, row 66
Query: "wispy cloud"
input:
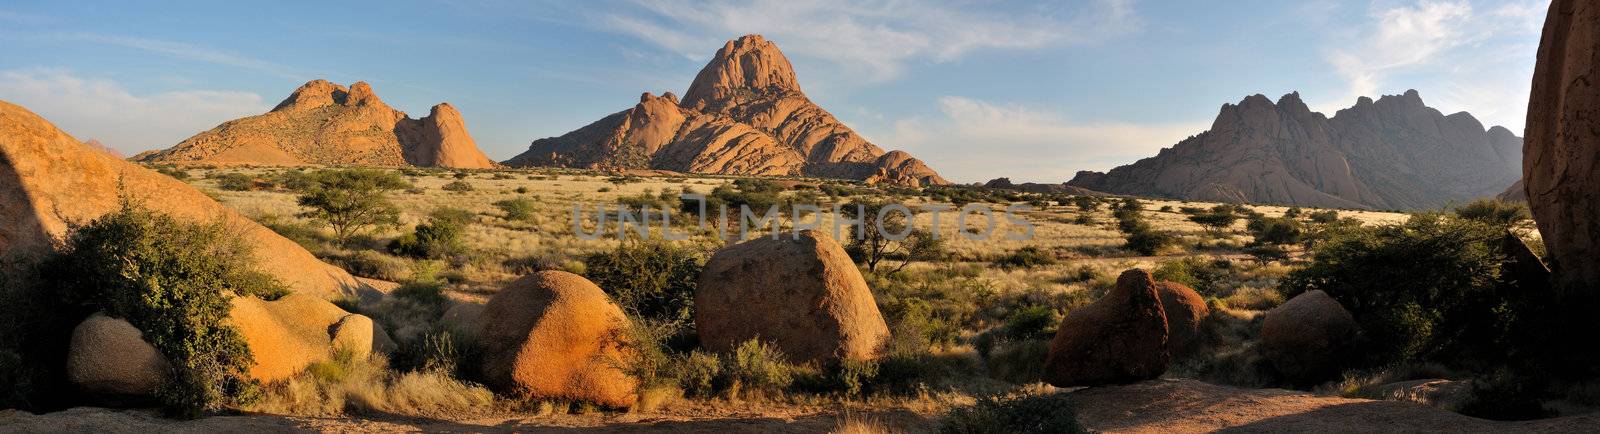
column 192, row 52
column 874, row 39
column 1475, row 57
column 90, row 108
column 24, row 18
column 975, row 140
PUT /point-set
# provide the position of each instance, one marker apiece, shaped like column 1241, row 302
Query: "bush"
column 439, row 238
column 457, row 186
column 757, row 367
column 1022, row 415
column 697, row 373
column 173, row 280
column 519, row 209
column 652, row 280
column 1425, row 290
column 1278, row 231
column 1026, row 257
column 235, row 182
column 1148, row 241
column 1495, row 212
column 1206, row 277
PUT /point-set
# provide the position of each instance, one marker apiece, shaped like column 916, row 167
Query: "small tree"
column 350, row 201
column 1219, row 219
column 870, row 241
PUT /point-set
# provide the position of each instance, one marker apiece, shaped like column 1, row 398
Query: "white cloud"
column 873, row 39
column 975, row 140
column 190, row 52
column 1461, row 56
column 90, row 108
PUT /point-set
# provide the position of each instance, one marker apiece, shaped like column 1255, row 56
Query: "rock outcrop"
column 325, row 123
column 555, row 335
column 800, row 293
column 1307, row 337
column 288, row 334
column 1120, row 338
column 744, row 114
column 1561, row 159
column 1185, row 309
column 48, row 180
column 109, row 356
column 1393, row 153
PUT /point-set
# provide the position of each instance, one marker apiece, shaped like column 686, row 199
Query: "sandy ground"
column 1191, row 406
column 1163, row 406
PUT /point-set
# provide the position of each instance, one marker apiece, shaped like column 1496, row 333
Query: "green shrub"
column 1026, row 257
column 652, row 280
column 1022, row 415
column 1324, row 216
column 439, row 238
column 235, row 182
column 173, row 280
column 1147, row 241
column 1495, row 212
column 457, row 186
column 1279, row 231
column 757, row 367
column 697, row 373
column 174, row 172
column 1425, row 290
column 1206, row 277
column 519, row 209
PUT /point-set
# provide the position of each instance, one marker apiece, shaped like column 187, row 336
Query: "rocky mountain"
column 50, row 181
column 744, row 114
column 326, row 123
column 1393, row 153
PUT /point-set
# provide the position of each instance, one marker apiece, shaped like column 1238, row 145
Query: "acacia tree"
column 871, row 243
column 1219, row 219
column 350, row 201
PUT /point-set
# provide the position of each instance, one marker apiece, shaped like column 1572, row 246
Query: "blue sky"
column 978, row 89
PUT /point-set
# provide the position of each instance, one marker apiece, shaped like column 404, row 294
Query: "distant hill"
column 1393, row 153
column 326, row 123
column 744, row 114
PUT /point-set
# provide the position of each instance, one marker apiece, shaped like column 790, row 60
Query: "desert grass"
column 1085, row 247
column 366, row 385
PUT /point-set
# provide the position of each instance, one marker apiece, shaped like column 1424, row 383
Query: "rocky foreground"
column 1167, row 405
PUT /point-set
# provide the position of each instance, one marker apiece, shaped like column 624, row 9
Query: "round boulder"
column 291, row 333
column 1185, row 311
column 799, row 292
column 1306, row 337
column 1120, row 338
column 108, row 356
column 556, row 335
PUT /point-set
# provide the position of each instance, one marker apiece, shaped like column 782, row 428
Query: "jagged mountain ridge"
column 326, row 123
column 1392, row 153
column 744, row 114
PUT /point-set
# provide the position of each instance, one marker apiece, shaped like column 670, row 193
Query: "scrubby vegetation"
column 173, row 281
column 969, row 320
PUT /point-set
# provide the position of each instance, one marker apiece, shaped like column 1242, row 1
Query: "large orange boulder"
column 1561, row 155
column 48, row 180
column 291, row 333
column 799, row 292
column 1120, row 338
column 555, row 335
column 1185, row 310
column 109, row 356
column 1307, row 337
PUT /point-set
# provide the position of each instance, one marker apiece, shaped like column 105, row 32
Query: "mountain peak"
column 749, row 65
